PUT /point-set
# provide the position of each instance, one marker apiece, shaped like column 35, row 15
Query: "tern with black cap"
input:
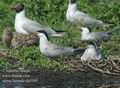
column 52, row 50
column 25, row 26
column 75, row 16
column 92, row 52
column 88, row 35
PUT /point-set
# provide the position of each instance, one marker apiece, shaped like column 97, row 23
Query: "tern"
column 88, row 35
column 75, row 16
column 92, row 52
column 25, row 25
column 52, row 50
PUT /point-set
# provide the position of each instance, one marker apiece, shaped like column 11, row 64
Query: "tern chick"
column 7, row 36
column 92, row 52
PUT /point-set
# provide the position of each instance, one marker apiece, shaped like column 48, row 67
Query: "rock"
column 24, row 39
column 15, row 39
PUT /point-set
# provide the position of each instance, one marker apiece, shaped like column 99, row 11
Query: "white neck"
column 91, row 46
column 20, row 15
column 91, row 49
column 43, row 41
column 72, row 7
column 85, row 32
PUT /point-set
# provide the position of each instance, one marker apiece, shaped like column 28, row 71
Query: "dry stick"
column 76, row 67
column 84, row 64
column 102, row 65
column 99, row 70
column 115, row 65
column 92, row 63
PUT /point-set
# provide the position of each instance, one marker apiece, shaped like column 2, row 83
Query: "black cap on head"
column 91, row 43
column 19, row 7
column 72, row 1
column 89, row 29
column 44, row 32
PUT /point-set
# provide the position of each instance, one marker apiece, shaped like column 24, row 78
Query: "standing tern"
column 92, row 52
column 75, row 16
column 87, row 35
column 25, row 26
column 52, row 50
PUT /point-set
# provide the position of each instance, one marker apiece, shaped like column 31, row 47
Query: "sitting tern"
column 92, row 52
column 25, row 26
column 75, row 16
column 87, row 35
column 51, row 50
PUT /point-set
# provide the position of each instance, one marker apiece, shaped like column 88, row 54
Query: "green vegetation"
column 52, row 13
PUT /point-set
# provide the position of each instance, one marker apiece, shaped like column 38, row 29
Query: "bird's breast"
column 69, row 15
column 19, row 28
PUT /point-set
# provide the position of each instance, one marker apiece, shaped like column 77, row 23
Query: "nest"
column 108, row 66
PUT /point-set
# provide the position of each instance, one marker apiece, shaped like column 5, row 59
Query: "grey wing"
column 62, row 50
column 32, row 26
column 99, row 53
column 92, row 22
column 99, row 35
column 79, row 16
column 88, row 20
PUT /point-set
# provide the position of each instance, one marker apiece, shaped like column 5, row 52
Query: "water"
column 50, row 79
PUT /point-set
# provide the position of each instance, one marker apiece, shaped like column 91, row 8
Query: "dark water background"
column 50, row 79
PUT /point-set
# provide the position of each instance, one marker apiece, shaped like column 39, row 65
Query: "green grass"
column 52, row 13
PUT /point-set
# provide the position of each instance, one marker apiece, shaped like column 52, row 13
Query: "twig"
column 99, row 70
column 114, row 64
